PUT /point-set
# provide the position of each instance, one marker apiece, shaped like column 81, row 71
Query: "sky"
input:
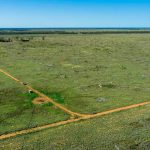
column 74, row 13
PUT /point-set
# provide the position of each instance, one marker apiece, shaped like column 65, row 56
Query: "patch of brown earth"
column 39, row 100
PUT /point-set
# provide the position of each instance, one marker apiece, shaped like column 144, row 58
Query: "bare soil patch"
column 39, row 100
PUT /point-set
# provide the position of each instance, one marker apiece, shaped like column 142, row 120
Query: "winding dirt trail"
column 2, row 137
column 76, row 116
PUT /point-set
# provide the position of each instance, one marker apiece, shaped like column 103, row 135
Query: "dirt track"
column 77, row 116
column 70, row 121
column 74, row 114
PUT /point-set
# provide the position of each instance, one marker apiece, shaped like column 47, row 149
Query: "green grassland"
column 92, row 72
column 17, row 111
column 127, row 130
column 86, row 73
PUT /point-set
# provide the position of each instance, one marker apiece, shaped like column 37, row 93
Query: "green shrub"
column 25, row 39
column 4, row 39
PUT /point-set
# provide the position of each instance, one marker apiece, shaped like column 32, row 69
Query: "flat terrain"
column 84, row 73
column 127, row 130
column 17, row 111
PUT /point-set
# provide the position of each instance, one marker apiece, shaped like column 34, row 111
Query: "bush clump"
column 5, row 39
column 24, row 39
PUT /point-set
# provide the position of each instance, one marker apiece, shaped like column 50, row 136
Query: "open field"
column 85, row 74
column 18, row 112
column 128, row 130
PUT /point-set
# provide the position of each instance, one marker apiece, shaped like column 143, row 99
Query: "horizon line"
column 73, row 27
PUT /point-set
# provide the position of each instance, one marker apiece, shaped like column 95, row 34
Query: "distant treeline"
column 2, row 32
column 11, row 39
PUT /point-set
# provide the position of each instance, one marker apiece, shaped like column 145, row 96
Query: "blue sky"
column 74, row 13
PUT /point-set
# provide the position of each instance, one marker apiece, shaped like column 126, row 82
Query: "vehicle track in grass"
column 31, row 130
column 74, row 115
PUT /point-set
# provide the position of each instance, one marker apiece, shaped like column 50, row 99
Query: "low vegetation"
column 4, row 39
column 86, row 74
column 127, row 130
